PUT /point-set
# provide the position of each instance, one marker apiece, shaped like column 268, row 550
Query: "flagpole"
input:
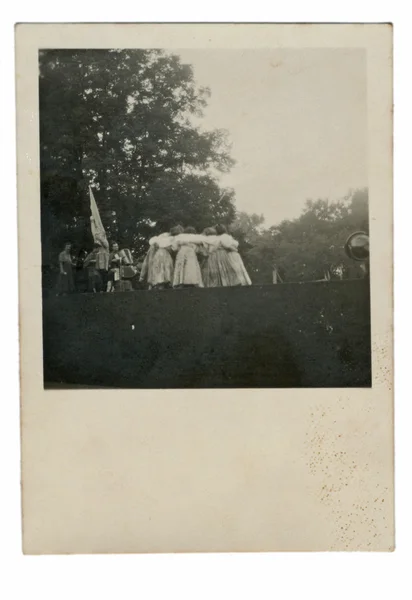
column 96, row 225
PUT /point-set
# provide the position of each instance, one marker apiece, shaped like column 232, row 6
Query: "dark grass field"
column 280, row 336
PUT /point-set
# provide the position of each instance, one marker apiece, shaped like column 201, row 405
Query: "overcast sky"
column 296, row 119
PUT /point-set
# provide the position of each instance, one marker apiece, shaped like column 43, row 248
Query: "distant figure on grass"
column 162, row 264
column 127, row 271
column 187, row 271
column 146, row 273
column 157, row 273
column 231, row 264
column 97, row 263
column 119, row 260
column 115, row 262
column 81, row 277
column 121, row 269
column 65, row 282
column 278, row 275
column 215, row 268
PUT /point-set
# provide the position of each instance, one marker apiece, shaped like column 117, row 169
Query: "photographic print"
column 205, row 274
column 204, row 218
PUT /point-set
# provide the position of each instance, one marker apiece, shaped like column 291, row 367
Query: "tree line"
column 122, row 121
column 308, row 248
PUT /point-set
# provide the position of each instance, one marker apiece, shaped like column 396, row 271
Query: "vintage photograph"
column 206, row 334
column 204, row 218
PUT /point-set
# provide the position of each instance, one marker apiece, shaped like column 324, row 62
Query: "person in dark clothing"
column 97, row 263
column 65, row 282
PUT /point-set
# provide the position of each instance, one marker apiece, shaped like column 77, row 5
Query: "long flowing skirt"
column 146, row 274
column 162, row 268
column 187, row 270
column 217, row 270
column 65, row 283
column 239, row 275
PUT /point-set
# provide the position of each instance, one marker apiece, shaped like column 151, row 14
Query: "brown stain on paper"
column 337, row 456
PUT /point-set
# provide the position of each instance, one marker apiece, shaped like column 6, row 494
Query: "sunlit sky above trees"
column 297, row 120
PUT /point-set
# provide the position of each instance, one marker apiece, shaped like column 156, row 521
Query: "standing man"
column 102, row 264
column 118, row 261
column 98, row 264
column 115, row 262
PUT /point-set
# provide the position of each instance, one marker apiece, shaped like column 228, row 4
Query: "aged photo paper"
column 206, row 298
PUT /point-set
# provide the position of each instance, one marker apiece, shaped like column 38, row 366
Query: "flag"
column 98, row 232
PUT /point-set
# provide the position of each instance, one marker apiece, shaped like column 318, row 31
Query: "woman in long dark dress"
column 80, row 274
column 65, row 282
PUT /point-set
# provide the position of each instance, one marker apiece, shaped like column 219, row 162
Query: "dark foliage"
column 307, row 248
column 120, row 120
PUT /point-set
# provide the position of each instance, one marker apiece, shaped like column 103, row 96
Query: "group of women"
column 183, row 258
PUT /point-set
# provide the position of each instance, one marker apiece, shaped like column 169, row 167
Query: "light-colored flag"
column 98, row 232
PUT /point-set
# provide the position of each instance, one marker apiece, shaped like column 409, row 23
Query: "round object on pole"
column 357, row 246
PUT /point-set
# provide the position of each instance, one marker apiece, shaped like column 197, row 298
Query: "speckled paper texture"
column 197, row 470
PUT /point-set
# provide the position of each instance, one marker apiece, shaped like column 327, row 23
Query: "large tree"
column 121, row 121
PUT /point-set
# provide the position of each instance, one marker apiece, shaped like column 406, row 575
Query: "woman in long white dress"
column 162, row 264
column 235, row 271
column 146, row 273
column 187, row 271
column 157, row 269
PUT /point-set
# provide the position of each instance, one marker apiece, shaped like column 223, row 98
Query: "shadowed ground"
column 292, row 335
